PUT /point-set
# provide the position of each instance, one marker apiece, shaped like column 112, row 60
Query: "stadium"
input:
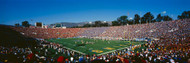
column 143, row 39
column 102, row 41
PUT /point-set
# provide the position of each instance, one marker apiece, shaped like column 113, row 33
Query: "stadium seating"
column 155, row 30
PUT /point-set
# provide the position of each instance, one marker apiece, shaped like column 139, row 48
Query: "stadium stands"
column 47, row 33
column 155, row 30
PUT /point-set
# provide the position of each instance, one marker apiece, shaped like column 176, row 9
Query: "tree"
column 167, row 18
column 185, row 14
column 130, row 22
column 122, row 20
column 148, row 17
column 159, row 18
column 154, row 20
column 98, row 23
column 104, row 24
column 115, row 23
column 17, row 24
column 136, row 19
column 87, row 25
column 25, row 24
column 143, row 20
column 58, row 25
column 179, row 17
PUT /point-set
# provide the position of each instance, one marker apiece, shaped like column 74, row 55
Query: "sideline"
column 117, row 49
column 74, row 50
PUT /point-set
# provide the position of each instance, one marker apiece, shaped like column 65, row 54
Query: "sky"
column 54, row 11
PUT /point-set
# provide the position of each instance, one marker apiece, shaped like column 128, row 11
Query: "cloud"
column 163, row 12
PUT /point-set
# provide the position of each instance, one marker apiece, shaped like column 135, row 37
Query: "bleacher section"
column 170, row 29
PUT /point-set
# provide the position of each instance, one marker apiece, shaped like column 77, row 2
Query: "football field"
column 93, row 46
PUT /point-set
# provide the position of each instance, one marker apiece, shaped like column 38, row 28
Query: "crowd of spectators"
column 47, row 33
column 161, row 51
column 93, row 32
column 152, row 30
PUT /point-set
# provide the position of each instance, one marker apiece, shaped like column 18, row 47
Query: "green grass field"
column 93, row 46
